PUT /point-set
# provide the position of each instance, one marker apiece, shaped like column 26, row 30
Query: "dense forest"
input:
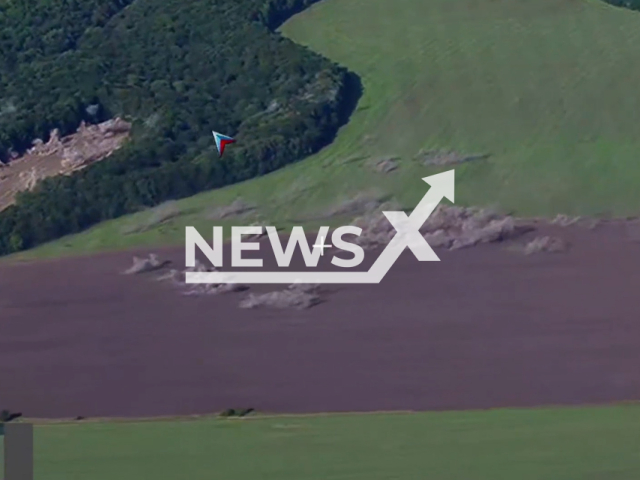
column 176, row 68
column 632, row 4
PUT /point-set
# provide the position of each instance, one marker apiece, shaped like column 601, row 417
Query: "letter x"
column 408, row 233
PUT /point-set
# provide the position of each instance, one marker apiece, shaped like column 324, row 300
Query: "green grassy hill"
column 546, row 87
column 563, row 444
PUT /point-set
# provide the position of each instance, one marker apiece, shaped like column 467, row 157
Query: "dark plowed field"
column 485, row 327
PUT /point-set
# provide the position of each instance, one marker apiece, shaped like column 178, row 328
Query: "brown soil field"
column 485, row 327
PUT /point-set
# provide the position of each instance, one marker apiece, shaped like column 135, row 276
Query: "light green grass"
column 558, row 444
column 547, row 87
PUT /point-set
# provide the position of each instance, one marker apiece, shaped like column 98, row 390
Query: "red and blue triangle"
column 222, row 141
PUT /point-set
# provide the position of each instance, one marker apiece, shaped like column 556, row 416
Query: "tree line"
column 177, row 69
column 631, row 4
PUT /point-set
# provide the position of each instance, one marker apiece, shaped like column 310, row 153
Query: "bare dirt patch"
column 482, row 328
column 60, row 156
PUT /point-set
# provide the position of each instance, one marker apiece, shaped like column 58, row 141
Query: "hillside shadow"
column 277, row 17
column 352, row 90
column 633, row 5
column 352, row 93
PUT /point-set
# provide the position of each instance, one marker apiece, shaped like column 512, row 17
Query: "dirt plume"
column 144, row 265
column 448, row 227
column 297, row 296
column 177, row 278
column 546, row 244
column 280, row 299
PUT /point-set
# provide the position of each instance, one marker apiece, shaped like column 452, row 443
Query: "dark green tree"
column 177, row 69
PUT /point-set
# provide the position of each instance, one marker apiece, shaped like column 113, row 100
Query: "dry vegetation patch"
column 447, row 157
column 237, row 208
column 156, row 216
column 384, row 164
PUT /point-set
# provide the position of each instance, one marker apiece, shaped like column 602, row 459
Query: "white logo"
column 407, row 236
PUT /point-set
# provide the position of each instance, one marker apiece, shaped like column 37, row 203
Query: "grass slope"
column 547, row 87
column 563, row 444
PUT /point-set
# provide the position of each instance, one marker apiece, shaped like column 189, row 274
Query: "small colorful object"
column 222, row 141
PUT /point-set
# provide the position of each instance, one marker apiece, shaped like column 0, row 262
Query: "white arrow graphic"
column 407, row 236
